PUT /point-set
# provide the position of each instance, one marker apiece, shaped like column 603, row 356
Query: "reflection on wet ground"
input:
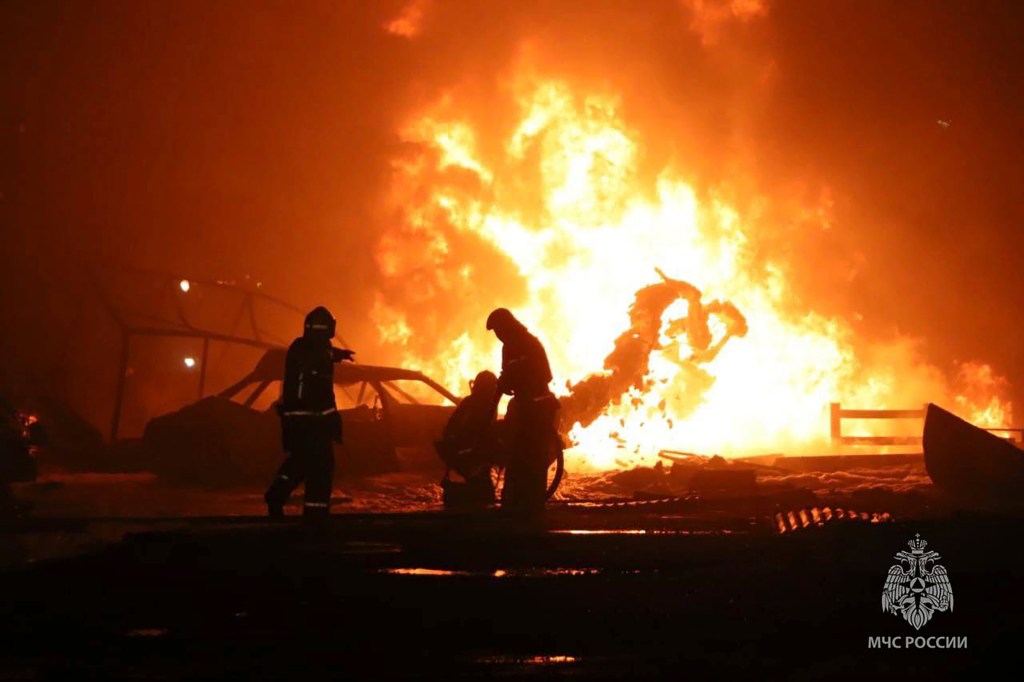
column 529, row 572
column 642, row 531
column 143, row 495
column 423, row 571
column 79, row 513
column 527, row 660
column 586, row 593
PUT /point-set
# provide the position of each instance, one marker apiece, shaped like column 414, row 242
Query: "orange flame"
column 560, row 201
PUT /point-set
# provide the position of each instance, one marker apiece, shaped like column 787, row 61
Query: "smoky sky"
column 225, row 139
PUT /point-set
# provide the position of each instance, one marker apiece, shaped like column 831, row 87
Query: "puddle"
column 432, row 572
column 528, row 660
column 603, row 531
column 639, row 531
column 527, row 572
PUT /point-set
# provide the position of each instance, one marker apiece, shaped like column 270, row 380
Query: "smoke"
column 409, row 21
column 710, row 18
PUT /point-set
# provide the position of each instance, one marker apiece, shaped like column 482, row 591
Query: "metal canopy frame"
column 170, row 320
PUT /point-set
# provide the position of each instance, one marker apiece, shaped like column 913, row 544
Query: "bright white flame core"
column 594, row 236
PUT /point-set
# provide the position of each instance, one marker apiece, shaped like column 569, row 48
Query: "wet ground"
column 606, row 585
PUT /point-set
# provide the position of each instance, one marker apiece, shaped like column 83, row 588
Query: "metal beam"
column 122, row 378
column 202, row 367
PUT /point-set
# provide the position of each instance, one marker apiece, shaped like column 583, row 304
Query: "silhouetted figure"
column 17, row 461
column 532, row 413
column 468, row 445
column 310, row 423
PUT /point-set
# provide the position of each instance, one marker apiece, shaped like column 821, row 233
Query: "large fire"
column 663, row 329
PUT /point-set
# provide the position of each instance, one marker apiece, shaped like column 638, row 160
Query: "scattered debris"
column 971, row 465
column 626, row 367
column 725, row 480
column 786, row 522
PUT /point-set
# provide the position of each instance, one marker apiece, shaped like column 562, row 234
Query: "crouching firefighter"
column 468, row 445
column 532, row 415
column 310, row 423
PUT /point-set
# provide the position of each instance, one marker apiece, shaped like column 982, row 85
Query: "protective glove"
column 341, row 354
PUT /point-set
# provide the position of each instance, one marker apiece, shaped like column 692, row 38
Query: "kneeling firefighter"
column 468, row 445
column 310, row 423
column 532, row 414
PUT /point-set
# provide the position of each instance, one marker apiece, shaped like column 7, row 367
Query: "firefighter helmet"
column 485, row 383
column 500, row 319
column 320, row 323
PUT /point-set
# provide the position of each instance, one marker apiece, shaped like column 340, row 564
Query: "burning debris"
column 627, row 367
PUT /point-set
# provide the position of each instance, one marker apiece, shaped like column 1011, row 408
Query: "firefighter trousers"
column 310, row 458
column 526, row 473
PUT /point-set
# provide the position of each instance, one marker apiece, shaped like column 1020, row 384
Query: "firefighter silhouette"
column 310, row 423
column 469, row 443
column 531, row 418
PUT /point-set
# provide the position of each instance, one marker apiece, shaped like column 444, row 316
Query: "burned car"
column 391, row 418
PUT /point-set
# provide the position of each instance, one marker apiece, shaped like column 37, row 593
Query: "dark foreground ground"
column 679, row 590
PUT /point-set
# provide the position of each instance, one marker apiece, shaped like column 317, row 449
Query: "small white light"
column 184, row 285
column 190, row 362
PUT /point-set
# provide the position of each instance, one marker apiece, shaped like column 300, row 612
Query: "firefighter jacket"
column 525, row 372
column 307, row 397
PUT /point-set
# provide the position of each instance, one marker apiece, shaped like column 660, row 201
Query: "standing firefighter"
column 310, row 423
column 532, row 412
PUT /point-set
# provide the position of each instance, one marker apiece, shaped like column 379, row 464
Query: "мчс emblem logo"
column 917, row 585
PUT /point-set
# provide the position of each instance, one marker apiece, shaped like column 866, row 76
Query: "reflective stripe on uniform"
column 309, row 413
column 283, row 477
column 318, row 505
